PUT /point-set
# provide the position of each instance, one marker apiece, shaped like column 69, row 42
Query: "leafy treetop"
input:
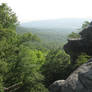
column 8, row 18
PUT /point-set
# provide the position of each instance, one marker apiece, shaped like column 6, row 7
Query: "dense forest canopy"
column 25, row 65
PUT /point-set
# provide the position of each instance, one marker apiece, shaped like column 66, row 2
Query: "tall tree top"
column 8, row 18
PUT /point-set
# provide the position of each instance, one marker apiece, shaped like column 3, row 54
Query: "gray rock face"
column 75, row 47
column 56, row 86
column 79, row 81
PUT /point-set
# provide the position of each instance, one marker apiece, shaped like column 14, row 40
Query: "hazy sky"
column 31, row 10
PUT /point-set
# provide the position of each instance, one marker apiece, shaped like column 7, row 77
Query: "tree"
column 27, row 70
column 55, row 67
column 8, row 55
column 19, row 65
column 28, row 37
column 85, row 24
column 8, row 18
column 74, row 35
column 83, row 58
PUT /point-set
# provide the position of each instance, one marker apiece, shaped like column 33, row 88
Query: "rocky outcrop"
column 56, row 86
column 75, row 47
column 79, row 81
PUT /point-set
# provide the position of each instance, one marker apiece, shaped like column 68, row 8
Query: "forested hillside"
column 49, row 37
column 25, row 64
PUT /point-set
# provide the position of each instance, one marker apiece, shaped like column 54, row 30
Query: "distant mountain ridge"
column 57, row 23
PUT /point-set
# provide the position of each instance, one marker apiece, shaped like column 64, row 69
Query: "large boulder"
column 75, row 47
column 79, row 81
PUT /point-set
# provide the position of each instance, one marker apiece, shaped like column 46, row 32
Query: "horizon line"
column 56, row 19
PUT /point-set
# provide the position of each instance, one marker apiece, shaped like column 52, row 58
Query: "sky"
column 34, row 10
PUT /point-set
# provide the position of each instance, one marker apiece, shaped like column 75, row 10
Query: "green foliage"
column 8, row 18
column 3, row 67
column 27, row 37
column 28, row 70
column 50, row 38
column 20, row 64
column 85, row 24
column 55, row 67
column 1, row 84
column 74, row 35
column 83, row 58
column 39, row 88
column 3, row 72
column 8, row 45
column 34, row 57
column 35, row 38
